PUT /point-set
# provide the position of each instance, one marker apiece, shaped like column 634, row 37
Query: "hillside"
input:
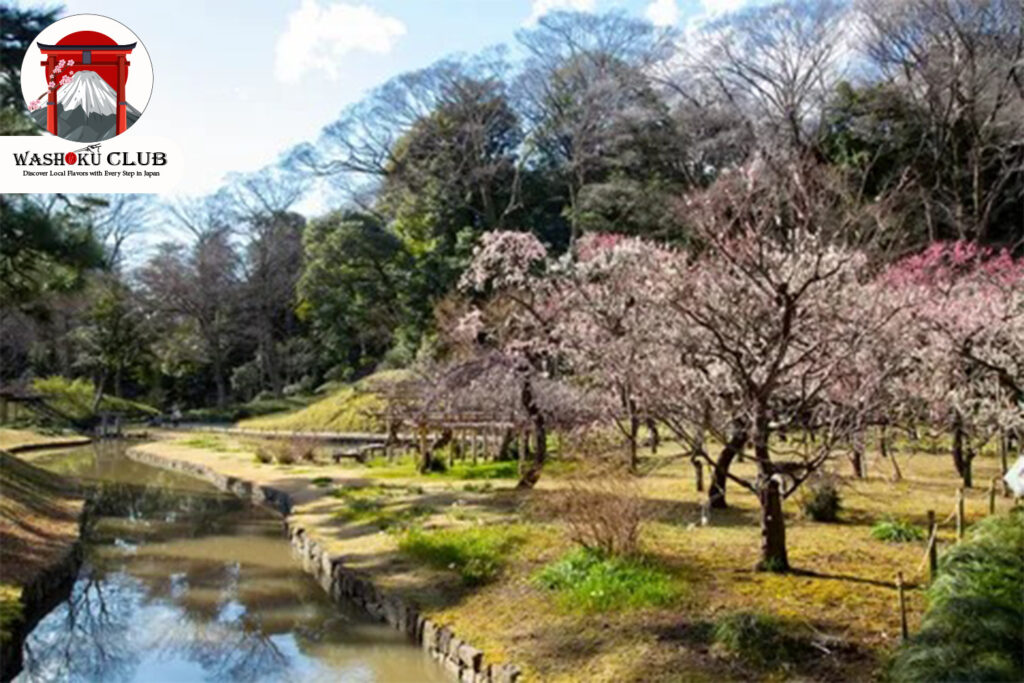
column 349, row 408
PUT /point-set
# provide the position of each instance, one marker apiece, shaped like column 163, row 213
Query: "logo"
column 86, row 78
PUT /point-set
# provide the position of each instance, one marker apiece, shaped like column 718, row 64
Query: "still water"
column 183, row 583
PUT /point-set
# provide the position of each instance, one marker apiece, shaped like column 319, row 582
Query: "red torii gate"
column 96, row 52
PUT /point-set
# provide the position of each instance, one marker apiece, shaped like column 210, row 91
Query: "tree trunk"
column 652, row 427
column 883, row 447
column 773, row 525
column 961, row 453
column 634, row 433
column 505, row 447
column 427, row 458
column 218, row 378
column 117, row 381
column 773, row 530
column 857, row 455
column 271, row 362
column 720, row 473
column 97, row 396
column 531, row 475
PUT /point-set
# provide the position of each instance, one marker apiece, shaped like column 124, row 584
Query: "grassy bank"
column 14, row 439
column 344, row 408
column 488, row 560
column 39, row 525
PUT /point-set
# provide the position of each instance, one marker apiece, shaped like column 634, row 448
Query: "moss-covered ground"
column 16, row 438
column 469, row 549
column 352, row 407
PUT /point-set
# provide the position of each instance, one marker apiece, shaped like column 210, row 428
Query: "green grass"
column 892, row 530
column 587, row 581
column 321, row 482
column 973, row 626
column 761, row 640
column 376, row 506
column 347, row 408
column 476, row 554
column 482, row 470
column 406, row 466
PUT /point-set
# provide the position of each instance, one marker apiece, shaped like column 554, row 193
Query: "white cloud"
column 663, row 12
column 541, row 7
column 318, row 37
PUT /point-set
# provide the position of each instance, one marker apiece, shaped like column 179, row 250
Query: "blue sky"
column 237, row 83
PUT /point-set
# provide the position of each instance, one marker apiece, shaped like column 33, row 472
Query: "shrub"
column 437, row 465
column 263, row 455
column 894, row 530
column 972, row 628
column 602, row 512
column 321, row 482
column 303, row 448
column 759, row 639
column 821, row 500
column 477, row 554
column 592, row 582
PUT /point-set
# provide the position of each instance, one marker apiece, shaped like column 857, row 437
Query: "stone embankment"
column 463, row 661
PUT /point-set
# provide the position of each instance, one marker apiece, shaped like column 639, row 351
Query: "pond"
column 184, row 583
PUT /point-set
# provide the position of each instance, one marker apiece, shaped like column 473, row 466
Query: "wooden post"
column 992, row 497
column 453, row 446
column 3, row 410
column 933, row 550
column 960, row 514
column 477, row 445
column 904, row 631
column 1004, row 449
column 698, row 471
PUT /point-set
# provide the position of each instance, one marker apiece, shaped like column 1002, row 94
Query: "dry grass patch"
column 841, row 599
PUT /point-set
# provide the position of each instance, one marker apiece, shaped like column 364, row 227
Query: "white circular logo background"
column 139, row 84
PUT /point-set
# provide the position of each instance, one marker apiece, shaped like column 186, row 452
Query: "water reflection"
column 183, row 583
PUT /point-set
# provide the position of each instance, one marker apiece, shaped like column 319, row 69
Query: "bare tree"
column 119, row 219
column 775, row 65
column 272, row 259
column 198, row 282
column 585, row 91
column 959, row 64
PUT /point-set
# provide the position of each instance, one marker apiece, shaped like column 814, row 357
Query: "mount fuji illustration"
column 86, row 109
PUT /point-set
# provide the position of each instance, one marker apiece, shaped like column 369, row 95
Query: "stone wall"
column 463, row 661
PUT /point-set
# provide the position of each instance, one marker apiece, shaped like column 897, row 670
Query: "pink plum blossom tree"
column 968, row 305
